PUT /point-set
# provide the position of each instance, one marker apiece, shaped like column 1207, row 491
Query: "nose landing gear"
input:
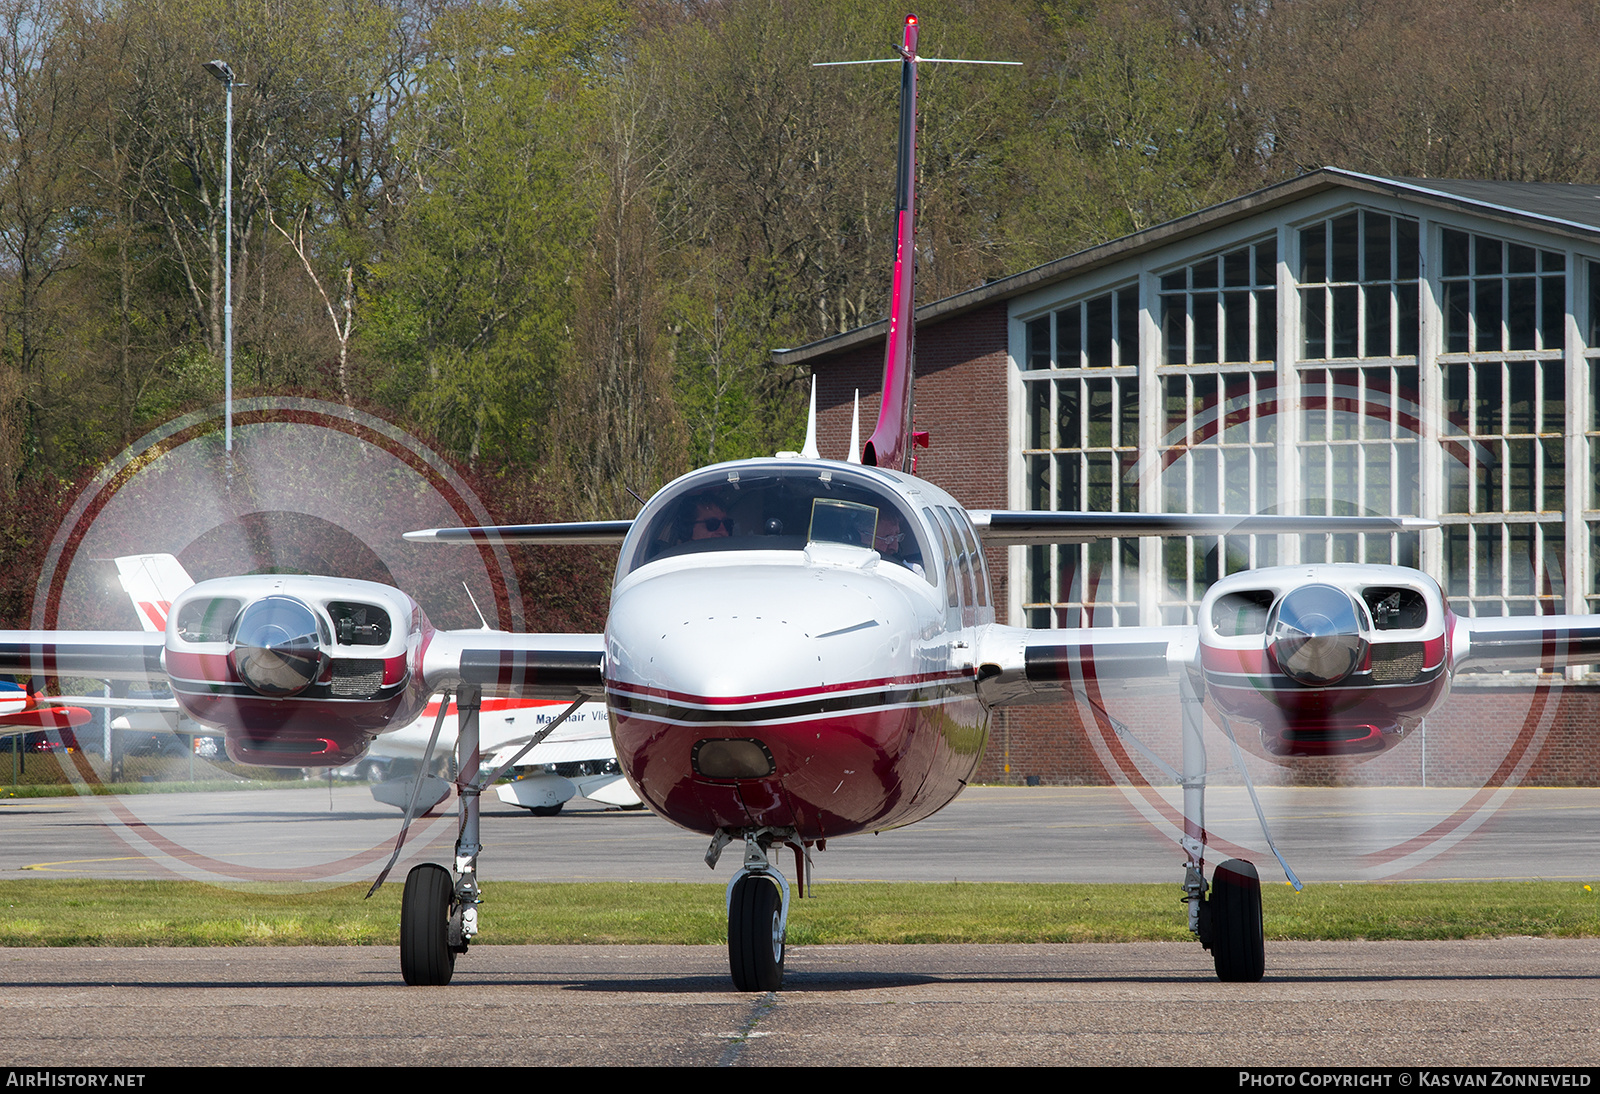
column 758, row 909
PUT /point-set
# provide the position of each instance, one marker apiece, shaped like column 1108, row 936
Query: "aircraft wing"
column 572, row 533
column 1526, row 642
column 1007, row 528
column 1017, row 665
column 103, row 655
column 526, row 666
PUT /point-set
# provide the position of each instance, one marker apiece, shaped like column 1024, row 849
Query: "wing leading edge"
column 1007, row 528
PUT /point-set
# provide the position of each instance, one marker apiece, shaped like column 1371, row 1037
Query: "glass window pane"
column 1101, row 473
column 1457, row 560
column 1455, row 397
column 1406, row 478
column 1267, row 325
column 1407, row 249
column 1069, row 337
column 1375, row 253
column 1069, row 484
column 1486, row 404
column 1457, row 479
column 1377, row 470
column 1097, row 332
column 1101, row 409
column 1486, row 315
column 1038, row 414
column 1128, row 491
column 1236, row 320
column 1457, row 248
column 1519, row 476
column 1174, row 330
column 1037, row 470
column 1205, row 328
column 1346, row 252
column 1378, row 341
column 1236, row 425
column 1552, row 562
column 1456, row 316
column 1486, row 255
column 1486, row 558
column 1379, row 406
column 1039, row 343
column 1407, row 324
column 1236, row 268
column 1203, row 275
column 1314, row 255
column 1555, row 475
column 1266, row 489
column 1520, row 259
column 1313, row 323
column 1345, row 304
column 1128, row 400
column 1267, row 262
column 1068, row 420
column 1553, row 313
column 1127, row 327
column 1522, row 311
column 1520, row 405
column 1520, row 559
column 1553, row 417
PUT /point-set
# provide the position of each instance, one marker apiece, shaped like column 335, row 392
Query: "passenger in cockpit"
column 710, row 520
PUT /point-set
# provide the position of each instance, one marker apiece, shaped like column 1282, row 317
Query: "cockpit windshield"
column 779, row 509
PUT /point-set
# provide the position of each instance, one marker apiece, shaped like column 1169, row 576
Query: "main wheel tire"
column 1237, row 939
column 546, row 810
column 425, row 954
column 755, row 934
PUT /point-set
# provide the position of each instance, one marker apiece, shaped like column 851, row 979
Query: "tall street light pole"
column 222, row 71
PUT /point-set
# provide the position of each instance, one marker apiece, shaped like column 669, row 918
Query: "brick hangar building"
column 1339, row 343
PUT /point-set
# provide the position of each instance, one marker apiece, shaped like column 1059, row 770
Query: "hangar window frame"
column 1081, row 447
column 1502, row 374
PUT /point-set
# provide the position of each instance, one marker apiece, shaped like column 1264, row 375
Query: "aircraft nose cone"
column 1316, row 635
column 743, row 634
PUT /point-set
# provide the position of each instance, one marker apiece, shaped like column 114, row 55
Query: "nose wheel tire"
column 1237, row 937
column 755, row 934
column 425, row 954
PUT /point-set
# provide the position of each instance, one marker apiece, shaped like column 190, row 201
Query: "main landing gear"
column 758, row 908
column 438, row 916
column 1228, row 922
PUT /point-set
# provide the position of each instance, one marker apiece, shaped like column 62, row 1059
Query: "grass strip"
column 61, row 912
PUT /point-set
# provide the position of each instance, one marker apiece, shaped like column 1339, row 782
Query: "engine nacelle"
column 296, row 671
column 1325, row 660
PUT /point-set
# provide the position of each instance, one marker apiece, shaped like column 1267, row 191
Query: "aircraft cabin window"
column 208, row 620
column 779, row 510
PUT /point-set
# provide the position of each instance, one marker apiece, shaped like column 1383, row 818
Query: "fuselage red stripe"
column 765, row 698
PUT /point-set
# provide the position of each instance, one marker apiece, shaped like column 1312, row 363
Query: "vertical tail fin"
column 890, row 443
column 892, row 439
column 152, row 582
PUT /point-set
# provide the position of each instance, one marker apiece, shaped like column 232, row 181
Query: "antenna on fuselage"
column 854, row 455
column 891, row 442
column 809, row 449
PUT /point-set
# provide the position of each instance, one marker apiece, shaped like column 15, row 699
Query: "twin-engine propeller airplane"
column 800, row 649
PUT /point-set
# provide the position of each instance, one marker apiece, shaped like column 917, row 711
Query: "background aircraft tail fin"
column 152, row 582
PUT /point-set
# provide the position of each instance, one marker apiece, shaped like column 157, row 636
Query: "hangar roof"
column 1561, row 208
